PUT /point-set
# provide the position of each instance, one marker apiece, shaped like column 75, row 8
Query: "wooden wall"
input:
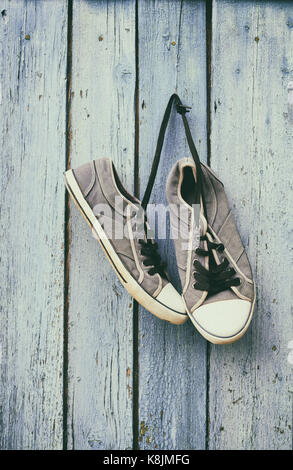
column 82, row 365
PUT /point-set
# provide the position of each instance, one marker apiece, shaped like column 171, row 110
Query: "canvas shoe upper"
column 119, row 223
column 215, row 273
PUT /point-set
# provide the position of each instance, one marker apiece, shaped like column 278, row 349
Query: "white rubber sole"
column 133, row 288
column 219, row 339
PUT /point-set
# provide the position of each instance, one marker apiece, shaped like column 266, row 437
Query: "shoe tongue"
column 143, row 231
column 201, row 230
column 203, row 225
column 149, row 233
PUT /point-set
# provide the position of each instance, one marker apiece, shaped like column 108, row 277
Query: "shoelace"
column 152, row 257
column 149, row 248
column 217, row 277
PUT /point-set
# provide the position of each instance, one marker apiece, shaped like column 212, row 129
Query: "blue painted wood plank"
column 100, row 310
column 250, row 393
column 172, row 359
column 32, row 128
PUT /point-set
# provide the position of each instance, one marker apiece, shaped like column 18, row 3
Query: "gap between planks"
column 67, row 222
column 135, row 383
column 209, row 32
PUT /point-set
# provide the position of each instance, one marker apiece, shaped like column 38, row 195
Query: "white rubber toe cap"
column 171, row 299
column 224, row 319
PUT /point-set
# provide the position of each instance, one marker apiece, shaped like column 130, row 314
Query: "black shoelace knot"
column 152, row 257
column 218, row 277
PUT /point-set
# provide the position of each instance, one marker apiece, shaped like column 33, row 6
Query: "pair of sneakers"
column 217, row 288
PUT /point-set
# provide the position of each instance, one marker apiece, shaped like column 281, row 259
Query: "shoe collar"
column 175, row 198
column 118, row 197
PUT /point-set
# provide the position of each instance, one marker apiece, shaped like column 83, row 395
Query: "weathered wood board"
column 172, row 360
column 250, row 392
column 100, row 310
column 32, row 126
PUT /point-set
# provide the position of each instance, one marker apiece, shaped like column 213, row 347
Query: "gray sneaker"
column 119, row 223
column 216, row 277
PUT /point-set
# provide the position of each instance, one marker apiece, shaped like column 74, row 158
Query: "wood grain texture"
column 100, row 310
column 32, row 126
column 172, row 360
column 250, row 394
